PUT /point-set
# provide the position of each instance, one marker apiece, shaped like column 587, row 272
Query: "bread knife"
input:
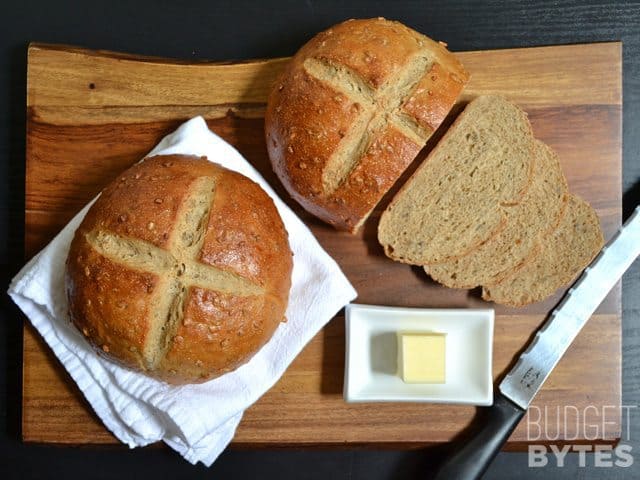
column 533, row 367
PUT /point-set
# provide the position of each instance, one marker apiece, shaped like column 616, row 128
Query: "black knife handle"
column 471, row 460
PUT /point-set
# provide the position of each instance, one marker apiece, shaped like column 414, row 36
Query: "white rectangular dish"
column 371, row 373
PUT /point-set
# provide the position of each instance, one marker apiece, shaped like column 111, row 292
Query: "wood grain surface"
column 92, row 114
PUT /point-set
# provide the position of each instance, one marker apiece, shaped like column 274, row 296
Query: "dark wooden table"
column 249, row 29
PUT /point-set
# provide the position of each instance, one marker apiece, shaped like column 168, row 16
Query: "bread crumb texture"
column 456, row 199
column 563, row 255
column 490, row 207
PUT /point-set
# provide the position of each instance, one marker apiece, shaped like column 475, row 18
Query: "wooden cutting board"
column 92, row 114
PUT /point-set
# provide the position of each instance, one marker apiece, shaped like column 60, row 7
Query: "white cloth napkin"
column 196, row 420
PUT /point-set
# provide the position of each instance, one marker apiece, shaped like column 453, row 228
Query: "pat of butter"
column 421, row 357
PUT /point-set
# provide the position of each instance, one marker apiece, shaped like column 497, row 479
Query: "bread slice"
column 564, row 254
column 537, row 215
column 454, row 202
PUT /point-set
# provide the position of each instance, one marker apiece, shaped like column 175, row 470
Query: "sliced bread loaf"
column 351, row 111
column 563, row 255
column 453, row 203
column 536, row 216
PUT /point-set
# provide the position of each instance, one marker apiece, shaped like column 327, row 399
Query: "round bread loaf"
column 352, row 110
column 181, row 269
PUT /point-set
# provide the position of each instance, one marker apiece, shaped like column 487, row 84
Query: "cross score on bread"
column 178, row 266
column 180, row 269
column 352, row 111
column 377, row 106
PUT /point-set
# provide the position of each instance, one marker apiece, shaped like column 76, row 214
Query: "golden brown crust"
column 383, row 162
column 434, row 96
column 244, row 236
column 218, row 334
column 109, row 303
column 114, row 301
column 308, row 118
column 147, row 193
